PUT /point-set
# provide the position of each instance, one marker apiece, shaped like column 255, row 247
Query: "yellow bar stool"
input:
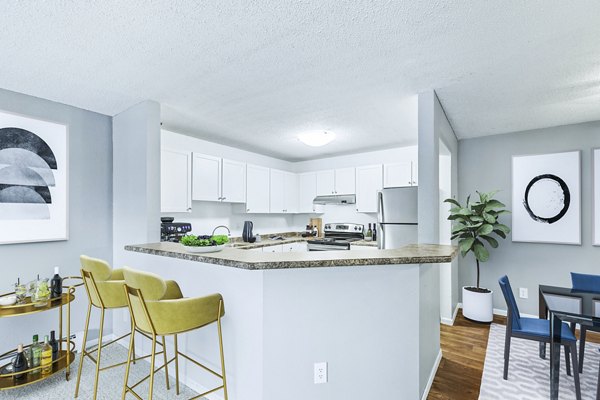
column 104, row 287
column 153, row 314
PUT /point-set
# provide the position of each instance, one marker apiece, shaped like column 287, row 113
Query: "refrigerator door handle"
column 381, row 237
column 380, row 206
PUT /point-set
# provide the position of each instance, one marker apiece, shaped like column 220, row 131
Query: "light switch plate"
column 524, row 293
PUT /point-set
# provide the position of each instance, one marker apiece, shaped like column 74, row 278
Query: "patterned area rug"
column 529, row 375
column 110, row 386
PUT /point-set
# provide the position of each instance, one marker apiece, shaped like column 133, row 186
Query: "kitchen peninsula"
column 360, row 311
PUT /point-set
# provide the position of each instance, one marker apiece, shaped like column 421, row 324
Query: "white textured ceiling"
column 256, row 73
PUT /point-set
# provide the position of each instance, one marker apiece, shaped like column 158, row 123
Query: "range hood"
column 335, row 199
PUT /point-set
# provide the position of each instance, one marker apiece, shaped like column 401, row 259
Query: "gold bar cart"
column 65, row 355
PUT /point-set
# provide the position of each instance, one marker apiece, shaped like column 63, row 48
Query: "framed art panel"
column 33, row 179
column 596, row 201
column 546, row 198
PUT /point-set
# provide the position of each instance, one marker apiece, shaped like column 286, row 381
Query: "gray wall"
column 433, row 127
column 90, row 212
column 485, row 164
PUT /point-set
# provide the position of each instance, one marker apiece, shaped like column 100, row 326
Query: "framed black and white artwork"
column 546, row 198
column 596, row 175
column 33, row 179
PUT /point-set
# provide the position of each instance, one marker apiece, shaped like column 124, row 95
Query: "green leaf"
column 465, row 245
column 493, row 242
column 481, row 253
column 500, row 233
column 489, row 218
column 483, row 197
column 485, row 229
column 503, row 228
column 500, row 212
column 476, row 218
column 452, row 201
column 492, row 204
column 458, row 228
column 465, row 211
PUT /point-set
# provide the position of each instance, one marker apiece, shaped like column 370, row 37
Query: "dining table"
column 561, row 304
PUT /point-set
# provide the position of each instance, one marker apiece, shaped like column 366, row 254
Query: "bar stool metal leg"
column 152, row 367
column 85, row 332
column 221, row 350
column 176, row 365
column 164, row 349
column 99, row 352
column 131, row 344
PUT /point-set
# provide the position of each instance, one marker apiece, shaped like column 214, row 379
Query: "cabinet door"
column 369, row 180
column 257, row 189
column 345, row 181
column 326, row 182
column 277, row 203
column 175, row 181
column 278, row 248
column 307, row 191
column 233, row 181
column 397, row 174
column 206, row 178
column 290, row 192
column 415, row 173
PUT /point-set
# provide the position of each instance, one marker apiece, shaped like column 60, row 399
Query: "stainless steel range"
column 338, row 236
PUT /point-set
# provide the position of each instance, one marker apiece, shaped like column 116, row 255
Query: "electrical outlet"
column 321, row 372
column 523, row 293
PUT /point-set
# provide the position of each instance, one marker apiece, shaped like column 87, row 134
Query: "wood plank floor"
column 463, row 347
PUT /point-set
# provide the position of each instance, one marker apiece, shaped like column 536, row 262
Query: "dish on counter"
column 8, row 300
column 204, row 249
column 204, row 243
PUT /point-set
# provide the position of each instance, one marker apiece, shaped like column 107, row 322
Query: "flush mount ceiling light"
column 317, row 138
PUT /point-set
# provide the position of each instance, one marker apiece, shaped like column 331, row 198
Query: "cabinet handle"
column 189, row 209
column 247, row 210
column 223, row 198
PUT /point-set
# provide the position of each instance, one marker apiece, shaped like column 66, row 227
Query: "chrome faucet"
column 221, row 226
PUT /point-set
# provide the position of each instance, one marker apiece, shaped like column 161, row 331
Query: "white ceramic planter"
column 477, row 306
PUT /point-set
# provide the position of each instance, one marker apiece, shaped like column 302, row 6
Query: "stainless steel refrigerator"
column 397, row 217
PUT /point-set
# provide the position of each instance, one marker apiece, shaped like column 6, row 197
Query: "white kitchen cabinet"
column 233, row 181
column 325, row 182
column 206, row 178
column 400, row 174
column 277, row 191
column 257, row 189
column 283, row 192
column 175, row 181
column 218, row 179
column 278, row 248
column 369, row 180
column 345, row 181
column 355, row 247
column 336, row 181
column 256, row 250
column 295, row 247
column 307, row 191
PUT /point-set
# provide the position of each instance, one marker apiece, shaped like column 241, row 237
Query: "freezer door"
column 394, row 236
column 398, row 205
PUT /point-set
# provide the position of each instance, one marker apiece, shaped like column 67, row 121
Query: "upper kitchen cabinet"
column 218, row 179
column 257, row 189
column 338, row 181
column 233, row 181
column 369, row 180
column 400, row 174
column 175, row 181
column 307, row 191
column 283, row 192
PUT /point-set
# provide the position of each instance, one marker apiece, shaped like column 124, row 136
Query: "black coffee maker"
column 173, row 231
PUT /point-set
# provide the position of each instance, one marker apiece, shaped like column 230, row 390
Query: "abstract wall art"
column 546, row 198
column 596, row 174
column 33, row 179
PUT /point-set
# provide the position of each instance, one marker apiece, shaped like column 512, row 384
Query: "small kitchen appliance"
column 173, row 231
column 247, row 231
column 338, row 236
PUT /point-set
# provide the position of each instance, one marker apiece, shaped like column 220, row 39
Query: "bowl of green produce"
column 204, row 243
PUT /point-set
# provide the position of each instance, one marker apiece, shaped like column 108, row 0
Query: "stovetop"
column 337, row 236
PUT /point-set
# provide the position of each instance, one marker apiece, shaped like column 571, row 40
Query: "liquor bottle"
column 19, row 364
column 374, row 232
column 369, row 233
column 56, row 284
column 46, row 362
column 36, row 354
column 54, row 345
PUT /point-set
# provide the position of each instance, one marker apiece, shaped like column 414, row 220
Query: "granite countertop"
column 288, row 237
column 249, row 260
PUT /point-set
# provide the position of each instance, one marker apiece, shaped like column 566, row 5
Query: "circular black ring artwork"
column 566, row 201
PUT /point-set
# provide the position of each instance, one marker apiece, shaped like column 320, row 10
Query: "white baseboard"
column 498, row 311
column 432, row 375
column 447, row 321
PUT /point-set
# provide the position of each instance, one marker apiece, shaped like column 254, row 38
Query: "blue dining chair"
column 535, row 329
column 587, row 283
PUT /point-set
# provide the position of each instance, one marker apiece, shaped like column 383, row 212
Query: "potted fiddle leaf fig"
column 476, row 227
